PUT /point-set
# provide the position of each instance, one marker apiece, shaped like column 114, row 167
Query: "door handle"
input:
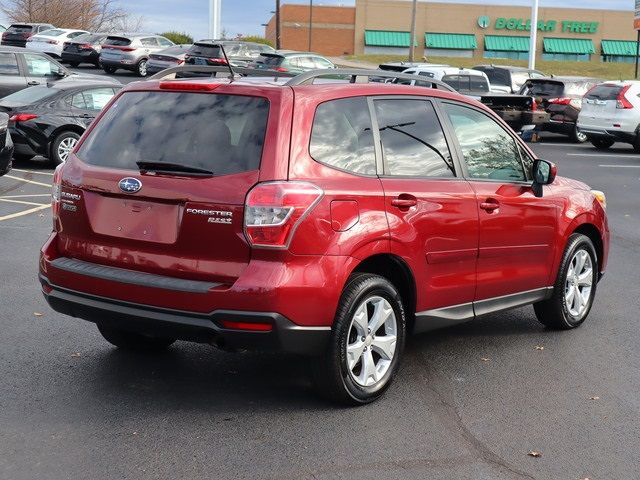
column 33, row 82
column 489, row 205
column 85, row 115
column 404, row 201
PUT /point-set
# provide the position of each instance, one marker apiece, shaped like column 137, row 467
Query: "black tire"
column 73, row 64
column 331, row 373
column 636, row 143
column 576, row 136
column 601, row 143
column 134, row 341
column 109, row 70
column 22, row 157
column 141, row 68
column 55, row 155
column 554, row 313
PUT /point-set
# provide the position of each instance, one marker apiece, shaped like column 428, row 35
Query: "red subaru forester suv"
column 327, row 219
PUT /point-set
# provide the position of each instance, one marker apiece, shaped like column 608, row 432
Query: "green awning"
column 506, row 43
column 624, row 48
column 453, row 41
column 385, row 38
column 580, row 46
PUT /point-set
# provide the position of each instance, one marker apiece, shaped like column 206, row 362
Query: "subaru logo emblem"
column 130, row 185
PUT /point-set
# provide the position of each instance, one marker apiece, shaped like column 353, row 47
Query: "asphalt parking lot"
column 470, row 402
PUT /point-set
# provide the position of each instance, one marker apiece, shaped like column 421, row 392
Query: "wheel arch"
column 592, row 232
column 63, row 128
column 396, row 270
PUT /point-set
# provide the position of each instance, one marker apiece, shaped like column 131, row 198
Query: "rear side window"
column 8, row 64
column 604, row 92
column 412, row 139
column 342, row 137
column 149, row 42
column 478, row 84
column 221, row 133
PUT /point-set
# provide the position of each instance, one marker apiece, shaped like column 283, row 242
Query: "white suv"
column 611, row 113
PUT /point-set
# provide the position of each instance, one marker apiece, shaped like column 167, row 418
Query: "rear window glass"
column 19, row 28
column 543, row 88
column 30, row 95
column 221, row 133
column 209, row 51
column 604, row 92
column 497, row 76
column 120, row 41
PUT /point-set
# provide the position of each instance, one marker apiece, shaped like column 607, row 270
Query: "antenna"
column 226, row 59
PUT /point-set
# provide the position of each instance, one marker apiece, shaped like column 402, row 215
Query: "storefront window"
column 506, row 54
column 618, row 59
column 567, row 57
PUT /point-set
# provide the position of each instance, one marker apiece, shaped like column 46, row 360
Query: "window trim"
column 378, row 142
column 458, row 150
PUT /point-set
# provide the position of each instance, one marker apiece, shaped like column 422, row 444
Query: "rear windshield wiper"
column 172, row 167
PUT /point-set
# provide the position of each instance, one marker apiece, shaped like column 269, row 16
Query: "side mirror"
column 543, row 173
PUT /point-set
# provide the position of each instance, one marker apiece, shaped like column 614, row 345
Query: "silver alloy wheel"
column 371, row 341
column 582, row 137
column 577, row 289
column 65, row 147
column 142, row 68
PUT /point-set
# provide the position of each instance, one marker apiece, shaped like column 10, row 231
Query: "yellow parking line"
column 31, row 171
column 22, row 202
column 29, row 181
column 26, row 212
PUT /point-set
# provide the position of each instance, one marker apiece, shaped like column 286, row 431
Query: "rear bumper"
column 616, row 135
column 14, row 43
column 191, row 326
column 85, row 56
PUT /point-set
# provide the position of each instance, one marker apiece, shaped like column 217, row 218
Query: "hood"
column 571, row 183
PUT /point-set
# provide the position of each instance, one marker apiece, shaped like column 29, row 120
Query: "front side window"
column 412, row 139
column 488, row 150
column 39, row 66
column 342, row 136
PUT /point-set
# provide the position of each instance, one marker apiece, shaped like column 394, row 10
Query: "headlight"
column 601, row 197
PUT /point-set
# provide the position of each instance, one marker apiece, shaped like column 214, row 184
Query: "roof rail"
column 355, row 75
column 364, row 76
column 220, row 71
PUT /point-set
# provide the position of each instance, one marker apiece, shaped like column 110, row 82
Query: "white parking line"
column 31, row 171
column 620, row 166
column 48, row 185
column 10, row 200
column 614, row 155
column 25, row 212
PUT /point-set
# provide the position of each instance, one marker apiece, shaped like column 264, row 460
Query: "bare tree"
column 92, row 15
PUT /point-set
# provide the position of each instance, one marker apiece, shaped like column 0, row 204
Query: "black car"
column 240, row 54
column 85, row 48
column 49, row 119
column 18, row 33
column 6, row 145
column 21, row 68
column 561, row 98
column 508, row 79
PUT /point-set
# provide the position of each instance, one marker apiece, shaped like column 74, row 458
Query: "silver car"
column 169, row 57
column 131, row 51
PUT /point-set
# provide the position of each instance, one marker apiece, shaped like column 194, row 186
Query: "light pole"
column 215, row 8
column 412, row 40
column 277, row 24
column 533, row 35
column 310, row 21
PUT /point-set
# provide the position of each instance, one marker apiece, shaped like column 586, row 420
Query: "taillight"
column 560, row 101
column 22, row 117
column 534, row 105
column 55, row 197
column 273, row 211
column 52, row 42
column 85, row 46
column 219, row 61
column 182, row 85
column 281, row 69
column 621, row 101
column 253, row 327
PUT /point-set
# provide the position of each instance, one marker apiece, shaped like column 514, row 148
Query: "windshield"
column 30, row 95
column 219, row 133
column 542, row 88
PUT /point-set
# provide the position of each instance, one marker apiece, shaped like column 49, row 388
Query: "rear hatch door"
column 115, row 48
column 205, row 54
column 599, row 106
column 18, row 33
column 159, row 183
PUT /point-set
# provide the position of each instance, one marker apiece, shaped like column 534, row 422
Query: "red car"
column 328, row 219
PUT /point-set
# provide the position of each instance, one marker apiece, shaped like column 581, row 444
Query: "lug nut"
column 364, row 338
